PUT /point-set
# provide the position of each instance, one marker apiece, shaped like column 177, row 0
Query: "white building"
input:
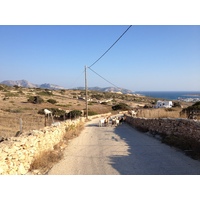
column 164, row 104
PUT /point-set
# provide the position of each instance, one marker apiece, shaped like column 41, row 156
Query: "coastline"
column 188, row 96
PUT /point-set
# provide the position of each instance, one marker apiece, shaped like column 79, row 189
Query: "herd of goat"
column 113, row 121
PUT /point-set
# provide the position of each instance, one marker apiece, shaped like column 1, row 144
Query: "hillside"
column 18, row 107
column 15, row 105
column 108, row 89
column 27, row 84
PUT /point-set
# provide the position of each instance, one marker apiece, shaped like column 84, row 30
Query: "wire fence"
column 9, row 126
column 15, row 123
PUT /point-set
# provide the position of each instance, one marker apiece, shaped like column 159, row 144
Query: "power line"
column 103, row 78
column 110, row 47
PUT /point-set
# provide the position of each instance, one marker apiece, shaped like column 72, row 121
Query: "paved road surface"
column 121, row 150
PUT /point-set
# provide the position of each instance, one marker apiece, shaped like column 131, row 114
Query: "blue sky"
column 146, row 58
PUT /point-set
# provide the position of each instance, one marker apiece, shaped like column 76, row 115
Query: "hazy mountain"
column 27, row 84
column 108, row 89
column 51, row 86
column 20, row 83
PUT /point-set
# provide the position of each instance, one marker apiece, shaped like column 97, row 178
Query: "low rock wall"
column 100, row 115
column 17, row 153
column 167, row 126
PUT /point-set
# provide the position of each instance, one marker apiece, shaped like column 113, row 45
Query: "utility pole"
column 86, row 95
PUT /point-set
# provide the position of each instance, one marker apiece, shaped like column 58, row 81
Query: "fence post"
column 21, row 125
column 45, row 121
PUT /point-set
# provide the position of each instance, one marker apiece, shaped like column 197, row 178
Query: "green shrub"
column 192, row 111
column 35, row 99
column 74, row 114
column 121, row 106
column 52, row 101
column 1, row 87
column 45, row 93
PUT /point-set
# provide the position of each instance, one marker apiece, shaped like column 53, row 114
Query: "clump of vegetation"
column 11, row 94
column 16, row 87
column 55, row 112
column 46, row 92
column 62, row 92
column 1, row 87
column 121, row 106
column 18, row 110
column 47, row 159
column 148, row 106
column 74, row 114
column 177, row 104
column 192, row 112
column 52, row 101
column 91, row 113
column 35, row 99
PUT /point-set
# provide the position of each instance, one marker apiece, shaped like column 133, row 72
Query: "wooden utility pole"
column 86, row 93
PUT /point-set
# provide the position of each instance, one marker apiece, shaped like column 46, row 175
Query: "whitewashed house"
column 163, row 104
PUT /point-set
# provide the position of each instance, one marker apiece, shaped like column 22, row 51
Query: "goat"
column 115, row 121
column 133, row 113
column 101, row 122
column 122, row 119
column 47, row 113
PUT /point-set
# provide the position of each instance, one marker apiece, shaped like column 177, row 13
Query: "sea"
column 172, row 95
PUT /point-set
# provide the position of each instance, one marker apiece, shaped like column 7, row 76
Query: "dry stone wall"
column 17, row 153
column 167, row 126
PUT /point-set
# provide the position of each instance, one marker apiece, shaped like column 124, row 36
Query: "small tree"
column 35, row 99
column 121, row 106
column 52, row 101
column 192, row 112
column 74, row 114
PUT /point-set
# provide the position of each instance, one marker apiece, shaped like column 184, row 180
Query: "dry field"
column 160, row 113
column 16, row 113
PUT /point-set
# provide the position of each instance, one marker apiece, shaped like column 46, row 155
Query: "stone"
column 22, row 170
column 1, row 170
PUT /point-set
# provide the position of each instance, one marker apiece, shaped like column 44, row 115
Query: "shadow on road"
column 124, row 162
column 145, row 155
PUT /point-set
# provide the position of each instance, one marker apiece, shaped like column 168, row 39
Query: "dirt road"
column 121, row 150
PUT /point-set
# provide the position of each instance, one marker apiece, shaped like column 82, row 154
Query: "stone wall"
column 17, row 153
column 167, row 126
column 180, row 133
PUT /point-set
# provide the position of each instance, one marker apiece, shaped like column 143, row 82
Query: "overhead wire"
column 104, row 55
column 110, row 47
column 103, row 78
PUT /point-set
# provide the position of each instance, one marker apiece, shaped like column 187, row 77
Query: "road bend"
column 121, row 150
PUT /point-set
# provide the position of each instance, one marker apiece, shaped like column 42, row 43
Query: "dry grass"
column 45, row 161
column 14, row 108
column 10, row 124
column 159, row 113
